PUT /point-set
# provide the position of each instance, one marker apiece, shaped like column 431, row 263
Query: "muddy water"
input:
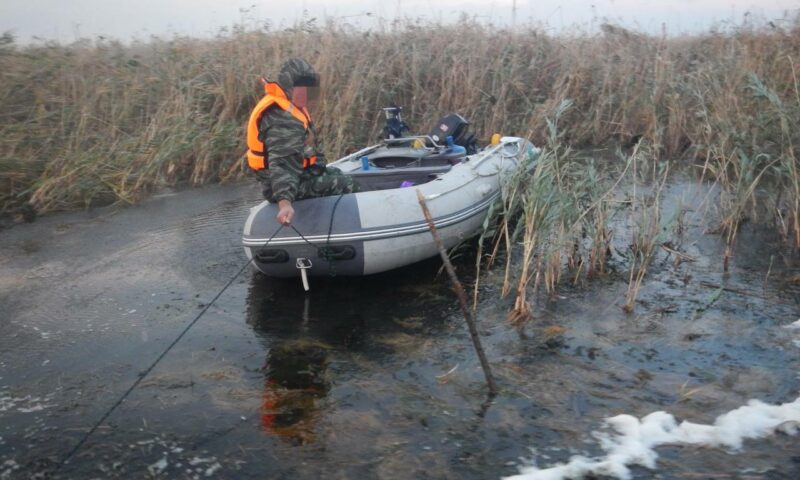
column 369, row 378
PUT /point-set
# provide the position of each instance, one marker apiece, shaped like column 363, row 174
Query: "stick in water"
column 462, row 296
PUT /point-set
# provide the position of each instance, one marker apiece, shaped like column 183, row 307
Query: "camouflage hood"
column 293, row 71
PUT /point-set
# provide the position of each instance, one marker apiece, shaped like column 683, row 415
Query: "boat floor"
column 388, row 178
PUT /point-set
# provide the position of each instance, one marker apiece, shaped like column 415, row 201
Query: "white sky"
column 66, row 20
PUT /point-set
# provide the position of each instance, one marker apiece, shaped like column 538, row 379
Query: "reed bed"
column 98, row 120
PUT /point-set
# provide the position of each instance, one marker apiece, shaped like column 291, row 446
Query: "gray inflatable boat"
column 382, row 227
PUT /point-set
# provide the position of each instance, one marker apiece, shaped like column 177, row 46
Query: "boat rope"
column 325, row 252
column 149, row 369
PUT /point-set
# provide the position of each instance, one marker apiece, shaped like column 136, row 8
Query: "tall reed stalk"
column 647, row 232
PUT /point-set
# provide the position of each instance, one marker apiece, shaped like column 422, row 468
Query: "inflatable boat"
column 382, row 227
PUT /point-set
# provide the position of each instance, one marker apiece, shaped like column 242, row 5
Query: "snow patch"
column 174, row 459
column 7, row 469
column 793, row 326
column 212, row 469
column 634, row 440
column 26, row 404
column 158, row 467
column 198, row 460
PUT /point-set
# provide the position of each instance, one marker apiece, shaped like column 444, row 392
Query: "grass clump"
column 554, row 220
column 645, row 215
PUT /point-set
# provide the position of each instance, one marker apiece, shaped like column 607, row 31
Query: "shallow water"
column 374, row 377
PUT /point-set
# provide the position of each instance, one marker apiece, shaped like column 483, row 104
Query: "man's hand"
column 286, row 212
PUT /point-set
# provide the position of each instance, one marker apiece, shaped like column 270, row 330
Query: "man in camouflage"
column 287, row 143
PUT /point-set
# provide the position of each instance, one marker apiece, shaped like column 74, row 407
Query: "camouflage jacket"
column 288, row 143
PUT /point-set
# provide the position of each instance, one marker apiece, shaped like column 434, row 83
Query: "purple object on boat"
column 406, row 183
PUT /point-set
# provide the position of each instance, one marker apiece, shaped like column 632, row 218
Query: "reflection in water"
column 299, row 329
column 295, row 382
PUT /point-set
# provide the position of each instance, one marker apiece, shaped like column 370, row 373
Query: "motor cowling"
column 456, row 126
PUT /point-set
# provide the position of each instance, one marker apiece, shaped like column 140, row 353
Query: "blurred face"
column 306, row 97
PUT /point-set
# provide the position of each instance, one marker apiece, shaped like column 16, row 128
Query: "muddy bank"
column 371, row 377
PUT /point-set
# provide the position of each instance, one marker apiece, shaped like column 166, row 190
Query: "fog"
column 66, row 21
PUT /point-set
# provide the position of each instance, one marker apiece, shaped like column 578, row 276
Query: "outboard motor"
column 395, row 126
column 456, row 126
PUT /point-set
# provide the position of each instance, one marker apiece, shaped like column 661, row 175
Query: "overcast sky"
column 66, row 20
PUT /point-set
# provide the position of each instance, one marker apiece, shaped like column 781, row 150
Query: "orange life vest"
column 256, row 150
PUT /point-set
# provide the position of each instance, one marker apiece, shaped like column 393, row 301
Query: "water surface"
column 370, row 378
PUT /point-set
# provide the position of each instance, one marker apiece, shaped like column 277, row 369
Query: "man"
column 283, row 148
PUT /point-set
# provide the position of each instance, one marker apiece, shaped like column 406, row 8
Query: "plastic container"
column 365, row 163
column 453, row 148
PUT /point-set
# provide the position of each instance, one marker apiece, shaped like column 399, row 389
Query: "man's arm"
column 314, row 145
column 284, row 136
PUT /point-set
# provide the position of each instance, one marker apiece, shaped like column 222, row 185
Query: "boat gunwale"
column 376, row 233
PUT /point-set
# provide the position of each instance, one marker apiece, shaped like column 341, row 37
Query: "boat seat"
column 385, row 179
column 419, row 158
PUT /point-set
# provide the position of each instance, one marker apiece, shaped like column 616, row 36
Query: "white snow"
column 26, row 404
column 32, row 409
column 7, row 469
column 174, row 458
column 795, row 325
column 212, row 469
column 635, row 440
column 158, row 467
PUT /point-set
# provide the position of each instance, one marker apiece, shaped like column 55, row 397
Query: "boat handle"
column 272, row 256
column 500, row 147
column 516, row 143
column 337, row 253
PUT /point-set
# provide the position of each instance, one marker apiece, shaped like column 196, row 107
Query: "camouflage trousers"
column 322, row 183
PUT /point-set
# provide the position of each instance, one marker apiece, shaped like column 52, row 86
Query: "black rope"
column 329, row 257
column 320, row 250
column 143, row 374
column 325, row 252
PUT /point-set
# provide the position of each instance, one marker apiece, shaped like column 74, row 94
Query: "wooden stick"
column 462, row 297
column 681, row 255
